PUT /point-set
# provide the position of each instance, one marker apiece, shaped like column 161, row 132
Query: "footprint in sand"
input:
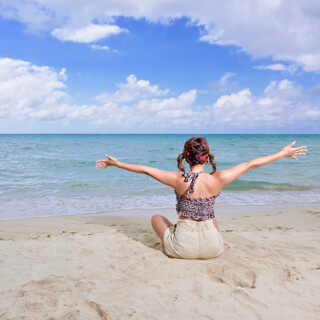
column 95, row 306
column 235, row 276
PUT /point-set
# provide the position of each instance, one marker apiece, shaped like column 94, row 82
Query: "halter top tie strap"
column 193, row 176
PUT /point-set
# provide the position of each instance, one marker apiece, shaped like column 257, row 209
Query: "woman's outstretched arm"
column 169, row 178
column 227, row 176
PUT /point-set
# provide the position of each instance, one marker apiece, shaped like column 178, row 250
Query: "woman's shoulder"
column 178, row 175
column 212, row 177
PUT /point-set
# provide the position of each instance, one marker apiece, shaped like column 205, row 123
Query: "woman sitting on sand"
column 196, row 234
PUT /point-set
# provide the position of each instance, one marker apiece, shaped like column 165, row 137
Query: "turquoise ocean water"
column 49, row 175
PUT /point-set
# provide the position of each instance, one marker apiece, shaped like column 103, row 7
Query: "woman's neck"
column 197, row 168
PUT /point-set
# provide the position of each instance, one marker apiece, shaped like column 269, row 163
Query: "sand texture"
column 89, row 267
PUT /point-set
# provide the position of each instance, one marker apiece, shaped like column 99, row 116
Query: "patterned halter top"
column 197, row 209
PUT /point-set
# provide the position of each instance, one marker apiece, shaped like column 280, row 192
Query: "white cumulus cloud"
column 87, row 34
column 175, row 111
column 97, row 47
column 281, row 104
column 31, row 92
column 229, row 108
column 131, row 90
column 63, row 74
column 184, row 100
column 292, row 68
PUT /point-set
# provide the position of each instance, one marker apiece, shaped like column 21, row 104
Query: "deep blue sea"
column 49, row 175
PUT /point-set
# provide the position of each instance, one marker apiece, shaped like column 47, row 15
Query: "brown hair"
column 194, row 148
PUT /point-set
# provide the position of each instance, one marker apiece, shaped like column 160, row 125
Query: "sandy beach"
column 98, row 267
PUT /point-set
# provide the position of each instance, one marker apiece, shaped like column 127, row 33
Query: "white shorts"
column 189, row 239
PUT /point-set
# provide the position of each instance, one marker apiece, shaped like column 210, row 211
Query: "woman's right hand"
column 110, row 161
column 288, row 151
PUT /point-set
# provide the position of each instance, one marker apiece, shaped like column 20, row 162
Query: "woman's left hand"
column 289, row 151
column 105, row 163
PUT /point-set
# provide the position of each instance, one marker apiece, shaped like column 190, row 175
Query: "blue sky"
column 174, row 67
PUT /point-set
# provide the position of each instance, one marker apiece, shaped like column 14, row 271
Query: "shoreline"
column 34, row 223
column 219, row 211
column 113, row 267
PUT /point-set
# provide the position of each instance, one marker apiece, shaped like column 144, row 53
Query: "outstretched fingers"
column 300, row 151
column 101, row 163
column 109, row 161
column 303, row 149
